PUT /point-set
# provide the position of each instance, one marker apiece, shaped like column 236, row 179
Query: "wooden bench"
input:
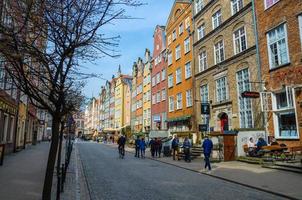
column 295, row 150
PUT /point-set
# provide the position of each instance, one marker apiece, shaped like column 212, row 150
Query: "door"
column 229, row 147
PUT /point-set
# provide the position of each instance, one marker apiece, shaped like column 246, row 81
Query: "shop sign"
column 7, row 108
column 250, row 94
column 203, row 127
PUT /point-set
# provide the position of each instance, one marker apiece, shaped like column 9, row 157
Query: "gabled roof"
column 172, row 9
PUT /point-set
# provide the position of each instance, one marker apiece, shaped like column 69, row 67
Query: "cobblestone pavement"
column 276, row 181
column 110, row 177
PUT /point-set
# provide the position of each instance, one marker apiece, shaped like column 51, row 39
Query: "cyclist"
column 121, row 145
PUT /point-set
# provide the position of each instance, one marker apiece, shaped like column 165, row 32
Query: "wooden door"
column 229, row 147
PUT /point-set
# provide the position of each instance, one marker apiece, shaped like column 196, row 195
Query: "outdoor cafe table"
column 274, row 148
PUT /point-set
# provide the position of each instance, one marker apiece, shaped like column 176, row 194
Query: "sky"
column 136, row 35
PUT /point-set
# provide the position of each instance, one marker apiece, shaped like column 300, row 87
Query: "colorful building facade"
column 147, row 92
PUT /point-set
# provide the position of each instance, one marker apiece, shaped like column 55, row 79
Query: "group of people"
column 140, row 147
column 155, row 147
column 255, row 149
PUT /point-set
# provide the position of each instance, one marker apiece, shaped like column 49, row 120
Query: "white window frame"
column 163, row 94
column 202, row 61
column 206, row 87
column 177, row 52
column 170, row 81
column 158, row 97
column 300, row 28
column 163, row 75
column 246, row 101
column 219, row 49
column 187, row 45
column 291, row 108
column 286, row 47
column 170, row 59
column 178, row 74
column 200, row 31
column 169, row 39
column 266, row 6
column 179, row 101
column 180, row 28
column 174, row 35
column 189, row 98
column 218, row 100
column 216, row 19
column 198, row 6
column 237, row 4
column 188, row 70
column 171, row 103
column 239, row 38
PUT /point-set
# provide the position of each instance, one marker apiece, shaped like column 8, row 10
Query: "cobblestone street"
column 112, row 178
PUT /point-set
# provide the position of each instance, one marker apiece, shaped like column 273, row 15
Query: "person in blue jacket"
column 142, row 146
column 186, row 146
column 207, row 146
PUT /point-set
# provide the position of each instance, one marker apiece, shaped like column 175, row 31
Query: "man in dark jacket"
column 186, row 147
column 152, row 147
column 175, row 143
column 137, row 143
column 159, row 146
column 207, row 146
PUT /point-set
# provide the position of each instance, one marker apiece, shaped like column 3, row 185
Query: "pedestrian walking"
column 152, row 147
column 187, row 146
column 156, row 145
column 160, row 146
column 137, row 142
column 142, row 146
column 207, row 146
column 175, row 147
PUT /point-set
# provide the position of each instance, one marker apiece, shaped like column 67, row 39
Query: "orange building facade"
column 180, row 118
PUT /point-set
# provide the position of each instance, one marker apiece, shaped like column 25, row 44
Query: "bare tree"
column 42, row 43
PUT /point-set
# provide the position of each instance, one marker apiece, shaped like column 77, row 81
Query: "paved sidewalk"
column 276, row 181
column 22, row 173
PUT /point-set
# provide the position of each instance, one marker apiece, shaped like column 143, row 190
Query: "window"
column 178, row 75
column 204, row 93
column 300, row 27
column 163, row 95
column 277, row 47
column 189, row 101
column 157, row 78
column 170, row 80
column 240, row 43
column 187, row 23
column 200, row 32
column 174, row 35
column 236, row 6
column 198, row 5
column 284, row 114
column 153, row 99
column 169, row 40
column 219, row 52
column 180, row 29
column 153, row 81
column 158, row 97
column 188, row 72
column 202, row 61
column 221, row 89
column 269, row 3
column 187, row 45
column 2, row 76
column 163, row 75
column 216, row 19
column 244, row 104
column 179, row 101
column 171, row 104
column 177, row 52
column 169, row 59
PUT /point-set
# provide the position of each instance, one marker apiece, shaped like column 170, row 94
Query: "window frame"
column 180, row 28
column 186, row 74
column 204, row 63
column 226, row 89
column 237, row 6
column 171, row 103
column 170, row 58
column 206, row 86
column 170, row 81
column 269, row 44
column 177, row 50
column 201, row 29
column 187, row 45
column 178, row 75
column 216, row 18
column 215, row 59
column 190, row 97
column 179, row 101
column 267, row 7
column 240, row 40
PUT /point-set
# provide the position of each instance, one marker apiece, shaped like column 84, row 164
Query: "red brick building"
column 279, row 25
column 158, row 83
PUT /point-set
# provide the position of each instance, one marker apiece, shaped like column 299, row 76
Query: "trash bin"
column 167, row 151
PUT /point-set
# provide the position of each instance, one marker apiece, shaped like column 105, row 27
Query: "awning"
column 159, row 134
column 178, row 119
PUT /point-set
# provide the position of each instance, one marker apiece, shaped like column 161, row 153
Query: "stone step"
column 289, row 165
column 283, row 168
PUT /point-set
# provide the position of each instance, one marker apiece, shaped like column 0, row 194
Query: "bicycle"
column 121, row 151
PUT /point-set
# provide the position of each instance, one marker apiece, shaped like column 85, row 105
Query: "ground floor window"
column 286, row 124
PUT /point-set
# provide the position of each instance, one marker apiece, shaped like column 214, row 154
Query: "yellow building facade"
column 147, row 92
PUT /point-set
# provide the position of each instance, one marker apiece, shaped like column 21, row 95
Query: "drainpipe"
column 258, row 60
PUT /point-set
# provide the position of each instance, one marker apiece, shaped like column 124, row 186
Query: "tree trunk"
column 59, row 172
column 51, row 157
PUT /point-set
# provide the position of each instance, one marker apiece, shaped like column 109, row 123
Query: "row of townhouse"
column 220, row 66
